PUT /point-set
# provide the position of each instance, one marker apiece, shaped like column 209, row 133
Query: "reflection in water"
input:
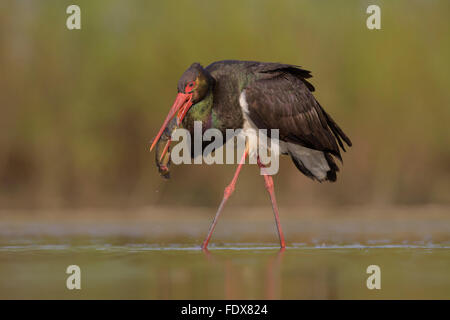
column 322, row 281
column 273, row 276
column 141, row 271
column 234, row 276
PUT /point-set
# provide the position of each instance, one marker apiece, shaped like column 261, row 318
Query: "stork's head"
column 193, row 87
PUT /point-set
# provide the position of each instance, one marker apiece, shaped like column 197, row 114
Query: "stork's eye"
column 190, row 85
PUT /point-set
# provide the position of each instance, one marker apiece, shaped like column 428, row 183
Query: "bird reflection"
column 235, row 276
column 273, row 276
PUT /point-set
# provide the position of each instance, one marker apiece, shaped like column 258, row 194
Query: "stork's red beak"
column 181, row 105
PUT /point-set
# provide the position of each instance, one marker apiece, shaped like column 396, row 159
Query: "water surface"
column 244, row 271
column 161, row 259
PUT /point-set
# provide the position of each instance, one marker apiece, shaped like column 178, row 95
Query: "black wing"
column 282, row 99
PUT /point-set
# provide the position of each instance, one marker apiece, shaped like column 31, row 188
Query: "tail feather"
column 337, row 131
column 314, row 164
column 327, row 175
column 331, row 174
column 300, row 166
column 320, row 165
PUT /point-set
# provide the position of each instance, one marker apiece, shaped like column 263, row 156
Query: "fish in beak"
column 162, row 156
column 181, row 106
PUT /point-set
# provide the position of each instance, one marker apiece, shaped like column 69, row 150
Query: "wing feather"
column 285, row 102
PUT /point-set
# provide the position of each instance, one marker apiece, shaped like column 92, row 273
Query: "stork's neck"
column 201, row 111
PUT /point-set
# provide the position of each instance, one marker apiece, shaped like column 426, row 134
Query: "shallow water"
column 158, row 258
column 244, row 271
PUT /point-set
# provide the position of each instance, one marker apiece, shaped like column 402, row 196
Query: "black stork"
column 235, row 94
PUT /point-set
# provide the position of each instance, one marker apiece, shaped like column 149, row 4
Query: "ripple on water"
column 142, row 247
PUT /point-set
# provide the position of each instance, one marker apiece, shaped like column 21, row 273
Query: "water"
column 243, row 271
column 137, row 259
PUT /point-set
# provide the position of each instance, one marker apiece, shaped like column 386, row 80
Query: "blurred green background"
column 78, row 108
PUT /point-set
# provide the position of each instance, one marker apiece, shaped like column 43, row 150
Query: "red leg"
column 269, row 186
column 227, row 193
